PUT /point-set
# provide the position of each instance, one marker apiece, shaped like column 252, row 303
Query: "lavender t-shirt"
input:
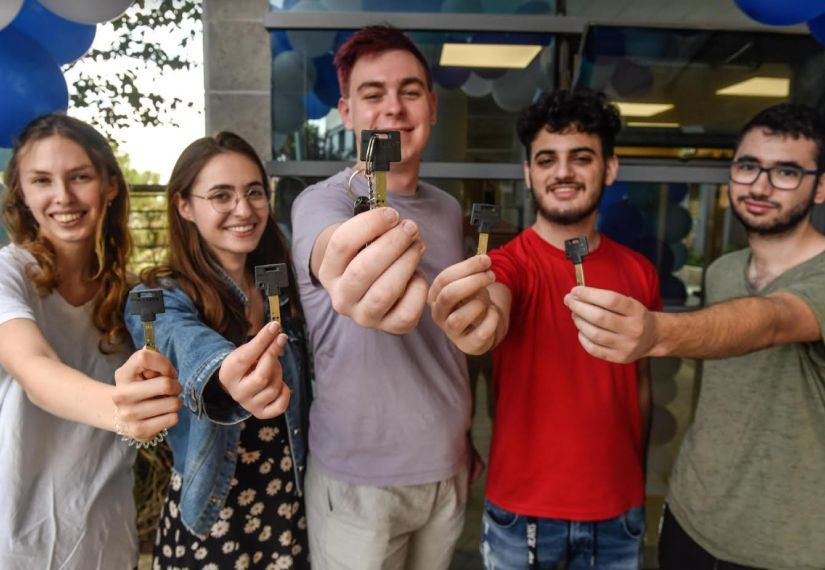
column 388, row 409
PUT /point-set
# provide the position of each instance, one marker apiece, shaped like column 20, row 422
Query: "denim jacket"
column 205, row 440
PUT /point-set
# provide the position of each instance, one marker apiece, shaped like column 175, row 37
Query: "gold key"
column 271, row 279
column 378, row 150
column 484, row 217
column 576, row 249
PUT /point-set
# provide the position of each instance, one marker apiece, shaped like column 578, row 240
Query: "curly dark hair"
column 794, row 120
column 583, row 110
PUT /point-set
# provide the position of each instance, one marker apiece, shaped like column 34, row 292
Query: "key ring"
column 355, row 172
column 367, row 171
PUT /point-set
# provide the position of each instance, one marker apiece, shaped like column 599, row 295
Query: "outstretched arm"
column 72, row 395
column 368, row 265
column 620, row 329
column 471, row 309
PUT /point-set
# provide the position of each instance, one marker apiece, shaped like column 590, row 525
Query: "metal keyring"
column 366, row 171
column 355, row 173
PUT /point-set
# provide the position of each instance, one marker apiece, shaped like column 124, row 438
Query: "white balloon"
column 87, row 11
column 293, row 74
column 8, row 11
column 476, row 86
column 312, row 43
column 514, row 90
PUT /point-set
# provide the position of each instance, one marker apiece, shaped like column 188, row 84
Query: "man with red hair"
column 388, row 472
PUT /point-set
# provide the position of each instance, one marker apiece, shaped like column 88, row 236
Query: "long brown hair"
column 190, row 262
column 113, row 244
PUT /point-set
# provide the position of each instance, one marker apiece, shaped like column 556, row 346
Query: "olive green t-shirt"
column 749, row 483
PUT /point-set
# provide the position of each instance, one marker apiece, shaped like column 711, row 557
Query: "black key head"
column 146, row 303
column 271, row 278
column 386, row 148
column 576, row 248
column 485, row 217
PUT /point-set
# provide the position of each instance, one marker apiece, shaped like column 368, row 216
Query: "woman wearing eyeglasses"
column 234, row 500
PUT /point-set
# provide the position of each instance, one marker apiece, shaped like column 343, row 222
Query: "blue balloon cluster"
column 788, row 13
column 634, row 216
column 32, row 48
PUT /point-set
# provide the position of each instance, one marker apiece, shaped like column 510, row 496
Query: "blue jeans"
column 611, row 544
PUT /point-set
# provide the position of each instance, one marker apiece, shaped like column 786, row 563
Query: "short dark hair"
column 583, row 110
column 793, row 120
column 374, row 40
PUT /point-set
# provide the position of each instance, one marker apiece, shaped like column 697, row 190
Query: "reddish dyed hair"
column 374, row 40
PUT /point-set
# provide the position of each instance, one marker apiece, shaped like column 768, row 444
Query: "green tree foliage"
column 118, row 99
column 134, row 176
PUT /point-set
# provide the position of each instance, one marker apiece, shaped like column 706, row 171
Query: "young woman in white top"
column 64, row 357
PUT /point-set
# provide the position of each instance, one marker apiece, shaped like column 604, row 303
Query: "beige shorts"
column 360, row 527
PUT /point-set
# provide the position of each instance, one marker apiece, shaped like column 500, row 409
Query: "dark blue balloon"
column 604, row 41
column 613, row 194
column 622, row 222
column 315, row 108
column 673, row 290
column 657, row 252
column 644, row 196
column 450, row 77
column 280, row 43
column 778, row 13
column 31, row 81
column 817, row 28
column 676, row 192
column 678, row 223
column 64, row 40
column 326, row 80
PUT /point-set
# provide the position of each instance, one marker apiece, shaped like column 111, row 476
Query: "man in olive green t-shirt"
column 748, row 488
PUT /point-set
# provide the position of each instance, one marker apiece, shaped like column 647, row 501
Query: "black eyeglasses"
column 225, row 200
column 781, row 177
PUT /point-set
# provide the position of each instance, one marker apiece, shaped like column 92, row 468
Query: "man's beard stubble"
column 783, row 225
column 571, row 217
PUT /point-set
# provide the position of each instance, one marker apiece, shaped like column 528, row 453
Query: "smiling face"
column 232, row 235
column 65, row 193
column 567, row 174
column 388, row 91
column 763, row 209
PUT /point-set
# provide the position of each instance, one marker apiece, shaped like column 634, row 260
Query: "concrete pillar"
column 237, row 67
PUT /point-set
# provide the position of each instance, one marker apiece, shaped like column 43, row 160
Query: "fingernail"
column 422, row 247
column 490, row 275
column 409, row 227
column 274, row 326
column 390, row 214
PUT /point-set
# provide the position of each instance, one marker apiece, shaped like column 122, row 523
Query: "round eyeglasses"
column 224, row 200
column 781, row 176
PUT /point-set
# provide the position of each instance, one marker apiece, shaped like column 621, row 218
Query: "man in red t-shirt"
column 566, row 480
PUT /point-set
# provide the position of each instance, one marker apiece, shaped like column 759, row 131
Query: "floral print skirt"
column 262, row 525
